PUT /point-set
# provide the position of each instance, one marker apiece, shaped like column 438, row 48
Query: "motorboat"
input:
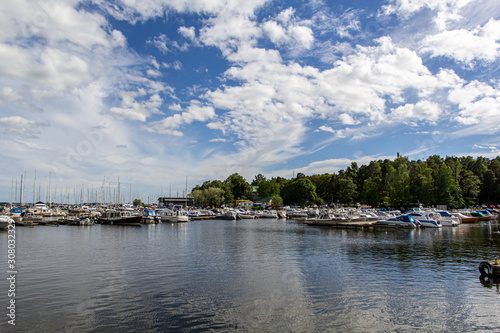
column 120, row 217
column 326, row 219
column 466, row 217
column 5, row 221
column 269, row 214
column 401, row 221
column 427, row 220
column 172, row 216
column 149, row 217
column 30, row 218
column 446, row 218
column 482, row 215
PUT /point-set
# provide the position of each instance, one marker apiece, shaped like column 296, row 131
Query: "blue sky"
column 159, row 90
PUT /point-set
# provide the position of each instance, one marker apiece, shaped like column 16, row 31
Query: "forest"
column 457, row 182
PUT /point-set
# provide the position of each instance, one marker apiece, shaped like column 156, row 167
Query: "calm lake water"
column 252, row 275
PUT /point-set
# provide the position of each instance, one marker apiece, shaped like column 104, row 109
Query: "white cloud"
column 20, row 126
column 189, row 33
column 482, row 43
column 479, row 104
column 327, row 129
column 171, row 125
column 287, row 30
column 275, row 32
column 347, row 119
column 131, row 109
column 424, row 111
column 52, row 70
column 9, row 94
column 56, row 22
column 446, row 11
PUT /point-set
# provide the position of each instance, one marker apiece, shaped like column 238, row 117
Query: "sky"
column 150, row 97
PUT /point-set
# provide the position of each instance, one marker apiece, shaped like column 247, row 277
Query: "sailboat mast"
column 21, row 192
column 34, row 189
column 50, row 190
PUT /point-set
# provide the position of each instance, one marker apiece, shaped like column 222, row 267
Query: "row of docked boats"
column 426, row 218
column 41, row 214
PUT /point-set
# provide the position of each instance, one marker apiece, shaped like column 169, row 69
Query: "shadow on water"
column 490, row 282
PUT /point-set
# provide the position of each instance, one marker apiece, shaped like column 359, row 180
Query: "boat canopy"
column 406, row 218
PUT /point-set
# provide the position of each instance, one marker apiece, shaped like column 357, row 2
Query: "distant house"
column 265, row 201
column 245, row 204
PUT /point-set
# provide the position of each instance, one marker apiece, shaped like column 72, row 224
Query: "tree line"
column 453, row 181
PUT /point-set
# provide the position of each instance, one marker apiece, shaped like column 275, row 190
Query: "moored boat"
column 118, row 217
column 427, row 220
column 466, row 217
column 326, row 219
column 401, row 221
column 5, row 221
column 481, row 216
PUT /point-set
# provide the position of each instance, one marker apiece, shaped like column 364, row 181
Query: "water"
column 252, row 275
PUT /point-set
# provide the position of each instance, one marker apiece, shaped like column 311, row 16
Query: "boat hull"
column 123, row 220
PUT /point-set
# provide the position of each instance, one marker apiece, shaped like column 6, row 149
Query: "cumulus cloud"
column 481, row 43
column 132, row 109
column 479, row 104
column 19, row 126
column 189, row 33
column 171, row 125
column 446, row 11
column 422, row 111
column 286, row 30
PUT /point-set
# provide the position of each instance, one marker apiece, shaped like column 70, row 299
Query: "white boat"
column 466, row 217
column 246, row 214
column 326, row 219
column 447, row 219
column 269, row 214
column 229, row 215
column 296, row 214
column 401, row 221
column 170, row 216
column 149, row 217
column 5, row 221
column 427, row 220
column 30, row 218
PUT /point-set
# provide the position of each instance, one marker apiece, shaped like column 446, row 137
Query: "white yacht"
column 401, row 221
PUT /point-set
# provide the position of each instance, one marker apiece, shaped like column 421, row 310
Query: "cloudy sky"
column 157, row 91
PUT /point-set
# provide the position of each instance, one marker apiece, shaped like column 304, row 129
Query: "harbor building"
column 171, row 201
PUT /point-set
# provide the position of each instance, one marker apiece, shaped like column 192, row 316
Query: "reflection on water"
column 254, row 275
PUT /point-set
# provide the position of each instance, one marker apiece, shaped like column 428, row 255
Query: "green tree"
column 228, row 195
column 490, row 188
column 443, row 183
column 421, row 183
column 199, row 197
column 212, row 196
column 471, row 187
column 323, row 184
column 298, row 191
column 239, row 187
column 370, row 178
column 398, row 181
column 276, row 202
column 137, row 202
column 270, row 187
column 347, row 189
